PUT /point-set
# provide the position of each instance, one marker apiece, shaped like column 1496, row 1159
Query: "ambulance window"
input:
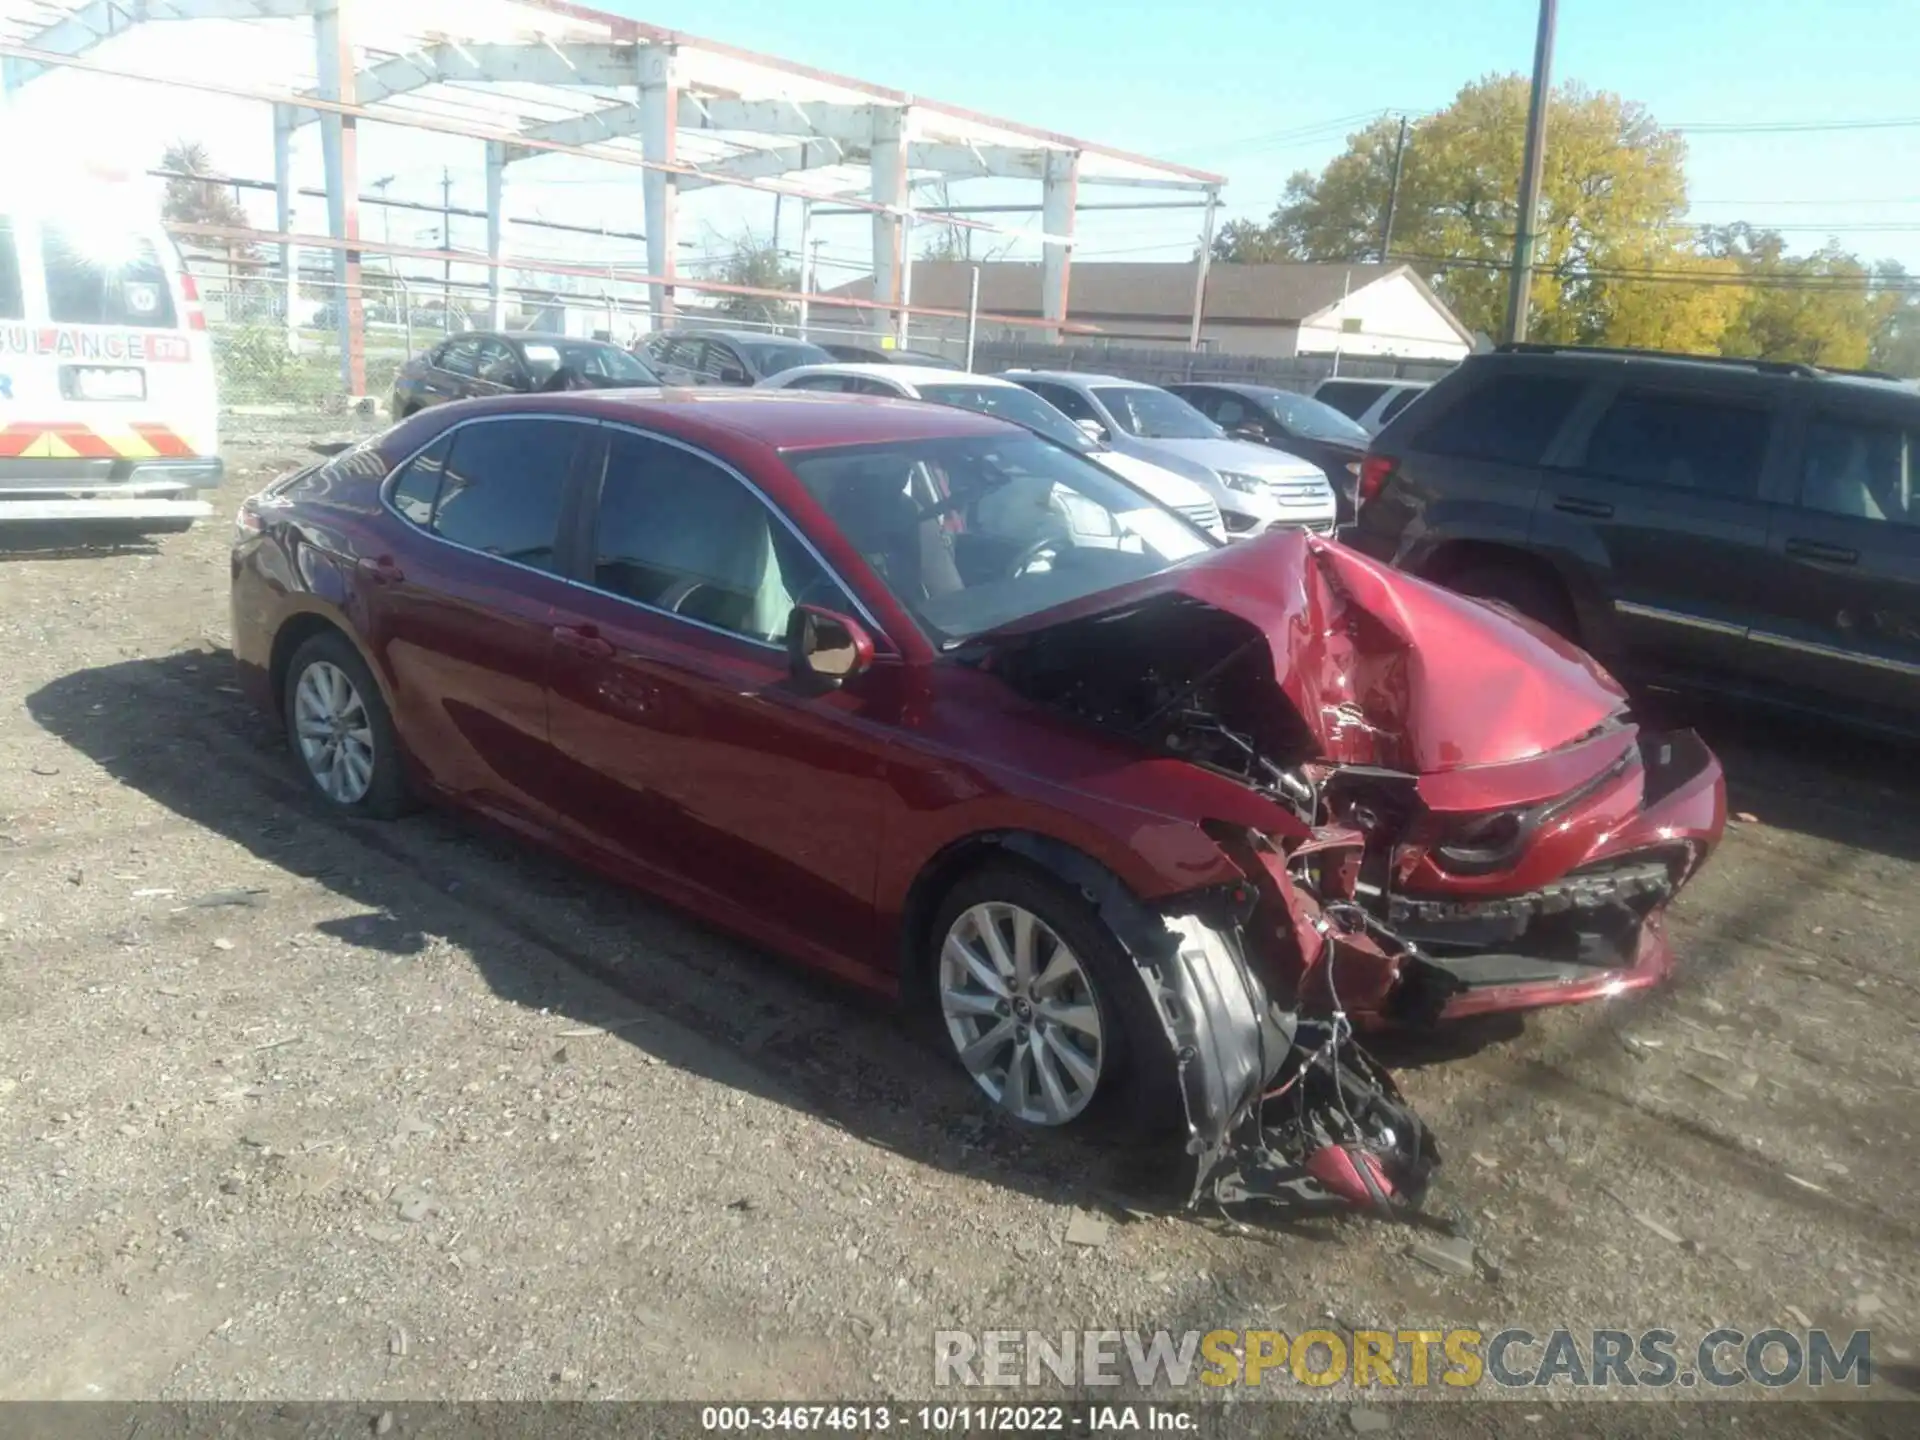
column 11, row 307
column 108, row 277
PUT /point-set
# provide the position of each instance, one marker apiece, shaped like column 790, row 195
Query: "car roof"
column 710, row 331
column 1079, row 377
column 1675, row 363
column 907, row 374
column 1378, row 381
column 780, row 419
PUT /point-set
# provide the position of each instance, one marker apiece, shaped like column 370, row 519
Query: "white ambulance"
column 107, row 397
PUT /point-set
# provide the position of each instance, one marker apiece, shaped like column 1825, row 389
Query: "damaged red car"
column 924, row 700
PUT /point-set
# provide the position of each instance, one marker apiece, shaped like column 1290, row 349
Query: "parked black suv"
column 725, row 357
column 1740, row 526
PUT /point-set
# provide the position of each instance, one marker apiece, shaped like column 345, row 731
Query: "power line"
column 1791, row 127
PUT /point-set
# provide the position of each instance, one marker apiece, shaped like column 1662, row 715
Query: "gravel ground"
column 293, row 1108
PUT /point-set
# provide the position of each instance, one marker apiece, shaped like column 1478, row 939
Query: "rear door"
column 674, row 358
column 1838, row 613
column 450, row 369
column 498, row 369
column 461, row 614
column 1661, row 497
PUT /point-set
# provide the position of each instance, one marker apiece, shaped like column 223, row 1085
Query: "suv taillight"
column 1374, row 470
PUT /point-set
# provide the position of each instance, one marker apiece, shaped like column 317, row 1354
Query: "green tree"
column 1613, row 191
column 752, row 260
column 1896, row 342
column 1822, row 308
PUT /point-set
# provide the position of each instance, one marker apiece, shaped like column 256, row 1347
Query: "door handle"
column 382, row 570
column 583, row 640
column 1574, row 505
column 1815, row 550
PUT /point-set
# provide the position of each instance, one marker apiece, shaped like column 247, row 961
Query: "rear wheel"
column 1538, row 597
column 1045, row 1011
column 340, row 732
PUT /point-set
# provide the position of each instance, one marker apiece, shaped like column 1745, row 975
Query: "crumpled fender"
column 1227, row 1040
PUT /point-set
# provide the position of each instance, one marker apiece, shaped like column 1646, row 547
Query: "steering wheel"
column 1045, row 545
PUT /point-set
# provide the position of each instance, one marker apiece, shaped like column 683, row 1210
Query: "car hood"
column 1240, row 456
column 1383, row 668
column 1166, row 486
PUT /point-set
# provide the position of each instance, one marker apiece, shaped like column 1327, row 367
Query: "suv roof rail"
column 1768, row 367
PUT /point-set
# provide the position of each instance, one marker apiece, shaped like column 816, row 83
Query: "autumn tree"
column 1821, row 308
column 755, row 261
column 1896, row 340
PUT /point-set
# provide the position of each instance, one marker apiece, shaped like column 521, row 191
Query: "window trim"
column 566, row 527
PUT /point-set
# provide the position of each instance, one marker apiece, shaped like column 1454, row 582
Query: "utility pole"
column 1393, row 193
column 1535, row 162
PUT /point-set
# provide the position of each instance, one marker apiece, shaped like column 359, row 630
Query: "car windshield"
column 974, row 532
column 770, row 357
column 1312, row 419
column 1010, row 402
column 1150, row 414
column 588, row 357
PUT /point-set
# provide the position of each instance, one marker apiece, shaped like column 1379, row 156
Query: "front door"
column 460, row 615
column 691, row 754
column 1663, row 499
column 1841, row 609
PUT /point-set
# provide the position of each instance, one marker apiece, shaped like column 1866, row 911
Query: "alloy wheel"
column 1020, row 1011
column 334, row 732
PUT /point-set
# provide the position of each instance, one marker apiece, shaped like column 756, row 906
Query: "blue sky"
column 1214, row 85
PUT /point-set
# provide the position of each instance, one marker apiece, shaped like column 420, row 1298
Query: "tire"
column 1537, row 597
column 1135, row 1095
column 375, row 788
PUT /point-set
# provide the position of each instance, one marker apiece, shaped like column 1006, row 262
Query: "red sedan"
column 919, row 698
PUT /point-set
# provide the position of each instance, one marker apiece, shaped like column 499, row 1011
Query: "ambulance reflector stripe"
column 70, row 440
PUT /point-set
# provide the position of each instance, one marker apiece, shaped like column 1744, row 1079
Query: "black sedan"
column 1295, row 423
column 483, row 362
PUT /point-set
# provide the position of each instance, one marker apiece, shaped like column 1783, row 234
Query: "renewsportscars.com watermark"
column 1720, row 1359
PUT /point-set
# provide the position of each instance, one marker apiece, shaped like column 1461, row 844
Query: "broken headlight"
column 1485, row 843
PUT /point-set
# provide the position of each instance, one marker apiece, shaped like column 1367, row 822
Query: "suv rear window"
column 1681, row 443
column 1508, row 419
column 112, row 277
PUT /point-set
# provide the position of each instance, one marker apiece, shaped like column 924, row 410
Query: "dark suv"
column 1740, row 526
column 725, row 357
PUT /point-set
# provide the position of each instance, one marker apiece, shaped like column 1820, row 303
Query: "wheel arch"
column 1451, row 559
column 295, row 630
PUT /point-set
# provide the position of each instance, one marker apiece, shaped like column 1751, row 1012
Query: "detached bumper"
column 48, row 489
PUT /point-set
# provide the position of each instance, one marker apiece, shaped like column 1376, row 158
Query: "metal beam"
column 1059, row 192
column 849, row 124
column 888, row 172
column 659, row 117
column 101, row 20
column 340, row 146
column 580, row 63
column 768, row 164
column 497, row 232
column 283, row 125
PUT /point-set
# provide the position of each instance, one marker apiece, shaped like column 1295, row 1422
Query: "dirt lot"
column 291, row 1108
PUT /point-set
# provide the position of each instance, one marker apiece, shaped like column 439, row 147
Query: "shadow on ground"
column 549, row 936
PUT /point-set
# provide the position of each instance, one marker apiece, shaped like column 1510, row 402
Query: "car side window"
column 1228, row 411
column 819, row 382
column 1859, row 470
column 505, row 486
column 497, row 364
column 416, row 489
column 457, row 356
column 1680, row 442
column 1069, row 403
column 721, row 362
column 867, row 385
column 1508, row 419
column 677, row 533
column 1349, row 398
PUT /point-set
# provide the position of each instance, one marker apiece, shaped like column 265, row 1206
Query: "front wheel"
column 340, row 732
column 1535, row 596
column 1045, row 1011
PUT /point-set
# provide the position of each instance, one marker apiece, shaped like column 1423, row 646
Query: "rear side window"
column 1067, row 402
column 504, row 486
column 1508, row 419
column 457, row 356
column 12, row 304
column 104, row 277
column 1860, row 471
column 1680, row 442
column 417, row 488
column 820, row 382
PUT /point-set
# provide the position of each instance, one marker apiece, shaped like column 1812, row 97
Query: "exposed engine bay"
column 1408, row 855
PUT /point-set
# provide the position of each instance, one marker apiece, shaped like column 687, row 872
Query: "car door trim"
column 1675, row 617
column 1834, row 652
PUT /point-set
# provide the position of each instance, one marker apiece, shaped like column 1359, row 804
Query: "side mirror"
column 1249, row 432
column 825, row 649
column 1093, row 430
